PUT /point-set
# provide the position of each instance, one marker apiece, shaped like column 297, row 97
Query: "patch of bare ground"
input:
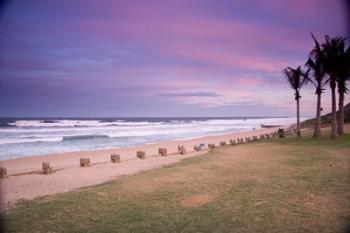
column 197, row 200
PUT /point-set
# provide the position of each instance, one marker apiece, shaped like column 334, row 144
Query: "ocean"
column 28, row 137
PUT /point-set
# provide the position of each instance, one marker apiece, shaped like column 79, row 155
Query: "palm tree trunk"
column 334, row 109
column 317, row 130
column 298, row 114
column 341, row 113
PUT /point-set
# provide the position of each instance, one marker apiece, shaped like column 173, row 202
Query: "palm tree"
column 344, row 75
column 333, row 49
column 296, row 79
column 316, row 64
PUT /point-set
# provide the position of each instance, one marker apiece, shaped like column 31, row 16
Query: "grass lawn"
column 287, row 185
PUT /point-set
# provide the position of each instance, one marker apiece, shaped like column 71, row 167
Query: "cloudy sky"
column 158, row 58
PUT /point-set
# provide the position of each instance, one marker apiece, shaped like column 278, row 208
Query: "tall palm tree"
column 296, row 79
column 344, row 76
column 333, row 49
column 316, row 64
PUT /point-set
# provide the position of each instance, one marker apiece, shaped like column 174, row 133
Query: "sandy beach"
column 24, row 180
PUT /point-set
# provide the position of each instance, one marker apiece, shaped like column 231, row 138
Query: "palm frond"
column 295, row 77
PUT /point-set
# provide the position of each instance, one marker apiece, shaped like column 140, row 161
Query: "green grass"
column 289, row 185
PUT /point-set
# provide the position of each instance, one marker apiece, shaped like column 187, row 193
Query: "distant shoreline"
column 136, row 118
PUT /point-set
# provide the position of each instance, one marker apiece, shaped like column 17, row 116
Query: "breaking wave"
column 20, row 137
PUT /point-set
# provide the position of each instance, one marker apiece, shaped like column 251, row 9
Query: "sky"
column 113, row 58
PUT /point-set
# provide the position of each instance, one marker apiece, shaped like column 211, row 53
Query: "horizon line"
column 140, row 117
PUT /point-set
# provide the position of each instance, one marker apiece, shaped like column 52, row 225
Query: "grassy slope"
column 327, row 119
column 288, row 185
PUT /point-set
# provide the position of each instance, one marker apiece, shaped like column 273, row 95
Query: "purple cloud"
column 105, row 58
column 190, row 94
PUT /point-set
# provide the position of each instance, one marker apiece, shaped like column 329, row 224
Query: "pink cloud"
column 232, row 49
column 233, row 44
column 247, row 81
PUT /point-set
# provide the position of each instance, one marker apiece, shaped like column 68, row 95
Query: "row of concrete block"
column 280, row 134
column 85, row 162
column 115, row 158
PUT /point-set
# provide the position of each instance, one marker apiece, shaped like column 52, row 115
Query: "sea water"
column 28, row 137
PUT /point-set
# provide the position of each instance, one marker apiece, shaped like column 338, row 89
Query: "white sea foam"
column 76, row 123
column 35, row 137
column 29, row 140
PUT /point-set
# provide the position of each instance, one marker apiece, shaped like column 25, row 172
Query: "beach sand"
column 24, row 180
